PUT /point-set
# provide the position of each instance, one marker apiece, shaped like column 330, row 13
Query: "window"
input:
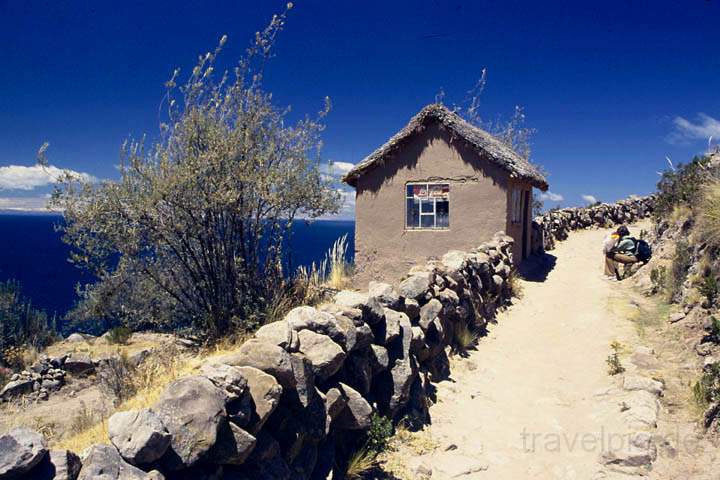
column 516, row 206
column 427, row 206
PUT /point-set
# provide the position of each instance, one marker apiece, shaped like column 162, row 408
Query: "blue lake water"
column 32, row 252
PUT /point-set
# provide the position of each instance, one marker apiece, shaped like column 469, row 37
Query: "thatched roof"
column 484, row 143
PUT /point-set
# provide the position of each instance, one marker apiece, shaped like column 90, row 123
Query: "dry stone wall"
column 555, row 225
column 294, row 401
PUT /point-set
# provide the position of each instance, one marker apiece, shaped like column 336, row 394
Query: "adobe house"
column 439, row 184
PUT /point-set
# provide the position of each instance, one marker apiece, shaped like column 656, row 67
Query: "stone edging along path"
column 293, row 401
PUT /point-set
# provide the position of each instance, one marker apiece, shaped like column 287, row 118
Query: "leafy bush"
column 381, row 429
column 119, row 335
column 202, row 214
column 681, row 185
column 20, row 323
column 706, row 390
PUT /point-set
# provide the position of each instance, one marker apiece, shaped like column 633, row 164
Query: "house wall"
column 479, row 204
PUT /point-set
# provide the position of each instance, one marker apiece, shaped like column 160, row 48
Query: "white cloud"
column 25, row 204
column 589, row 198
column 704, row 128
column 18, row 177
column 342, row 167
column 553, row 197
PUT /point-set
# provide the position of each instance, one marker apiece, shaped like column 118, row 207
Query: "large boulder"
column 339, row 328
column 416, row 285
column 264, row 356
column 79, row 364
column 325, row 355
column 388, row 330
column 17, row 388
column 20, row 450
column 637, row 382
column 103, row 462
column 265, row 393
column 378, row 358
column 304, row 379
column 192, row 409
column 351, row 299
column 139, row 435
column 429, row 312
column 384, row 292
column 279, row 333
column 357, row 412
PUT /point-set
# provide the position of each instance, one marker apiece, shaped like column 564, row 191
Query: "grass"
column 333, row 272
column 405, row 443
column 360, row 463
column 516, row 286
column 465, row 337
column 709, row 213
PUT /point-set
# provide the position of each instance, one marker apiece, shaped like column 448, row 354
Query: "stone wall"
column 295, row 400
column 555, row 225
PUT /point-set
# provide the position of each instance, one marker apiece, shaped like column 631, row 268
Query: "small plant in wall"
column 613, row 360
column 376, row 441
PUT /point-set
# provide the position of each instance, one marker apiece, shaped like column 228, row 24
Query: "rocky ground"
column 61, row 394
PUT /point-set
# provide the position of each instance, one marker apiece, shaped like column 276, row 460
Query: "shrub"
column 20, row 323
column 381, row 429
column 681, row 185
column 203, row 213
column 116, row 377
column 84, row 419
column 709, row 288
column 706, row 390
column 119, row 335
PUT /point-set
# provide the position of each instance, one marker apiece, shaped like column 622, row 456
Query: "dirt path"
column 535, row 400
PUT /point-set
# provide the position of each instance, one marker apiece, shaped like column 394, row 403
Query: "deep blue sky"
column 605, row 83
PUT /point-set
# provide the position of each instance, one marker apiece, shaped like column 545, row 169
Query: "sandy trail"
column 534, row 400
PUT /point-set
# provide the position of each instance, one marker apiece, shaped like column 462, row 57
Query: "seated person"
column 622, row 252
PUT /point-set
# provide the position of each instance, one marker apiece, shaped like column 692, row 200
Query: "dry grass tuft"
column 466, row 337
column 709, row 213
column 404, row 444
column 360, row 463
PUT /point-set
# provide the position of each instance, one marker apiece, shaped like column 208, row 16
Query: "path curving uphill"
column 536, row 400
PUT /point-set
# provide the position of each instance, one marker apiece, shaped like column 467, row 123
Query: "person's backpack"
column 643, row 251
